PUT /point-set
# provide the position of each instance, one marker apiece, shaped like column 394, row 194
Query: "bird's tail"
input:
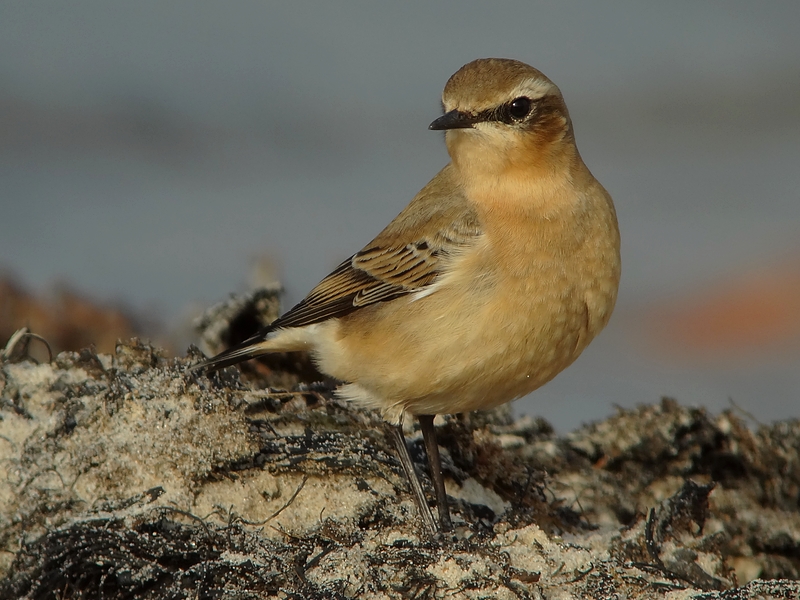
column 249, row 348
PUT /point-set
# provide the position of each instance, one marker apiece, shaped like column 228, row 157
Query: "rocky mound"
column 123, row 476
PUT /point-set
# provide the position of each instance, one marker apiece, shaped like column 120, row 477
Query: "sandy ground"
column 122, row 476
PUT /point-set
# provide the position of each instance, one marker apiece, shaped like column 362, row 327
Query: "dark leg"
column 416, row 487
column 435, row 464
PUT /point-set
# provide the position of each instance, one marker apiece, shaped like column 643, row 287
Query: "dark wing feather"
column 406, row 257
column 373, row 275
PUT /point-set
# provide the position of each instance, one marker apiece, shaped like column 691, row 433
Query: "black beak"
column 454, row 120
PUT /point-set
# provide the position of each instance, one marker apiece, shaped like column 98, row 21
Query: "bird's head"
column 500, row 114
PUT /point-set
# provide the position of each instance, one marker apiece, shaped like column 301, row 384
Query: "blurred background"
column 153, row 153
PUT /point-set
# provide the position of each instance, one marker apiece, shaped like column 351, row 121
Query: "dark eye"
column 520, row 108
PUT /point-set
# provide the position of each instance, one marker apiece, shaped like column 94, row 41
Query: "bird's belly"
column 528, row 343
column 457, row 351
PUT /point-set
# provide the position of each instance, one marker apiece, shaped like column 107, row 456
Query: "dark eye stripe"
column 502, row 113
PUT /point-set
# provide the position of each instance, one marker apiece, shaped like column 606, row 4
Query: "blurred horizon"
column 151, row 154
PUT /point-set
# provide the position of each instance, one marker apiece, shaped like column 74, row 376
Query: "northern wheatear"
column 493, row 280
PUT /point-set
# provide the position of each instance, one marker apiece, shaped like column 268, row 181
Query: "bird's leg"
column 435, row 464
column 416, row 487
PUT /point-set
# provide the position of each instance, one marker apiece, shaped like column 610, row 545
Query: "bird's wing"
column 405, row 257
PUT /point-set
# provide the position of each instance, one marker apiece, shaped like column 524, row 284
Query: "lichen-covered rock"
column 126, row 476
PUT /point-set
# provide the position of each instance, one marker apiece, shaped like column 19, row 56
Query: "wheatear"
column 493, row 280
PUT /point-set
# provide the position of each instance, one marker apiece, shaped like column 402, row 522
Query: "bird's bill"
column 454, row 119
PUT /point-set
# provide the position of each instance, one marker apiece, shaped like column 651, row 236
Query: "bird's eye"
column 520, row 108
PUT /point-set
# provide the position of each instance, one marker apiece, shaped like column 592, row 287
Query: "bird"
column 488, row 284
